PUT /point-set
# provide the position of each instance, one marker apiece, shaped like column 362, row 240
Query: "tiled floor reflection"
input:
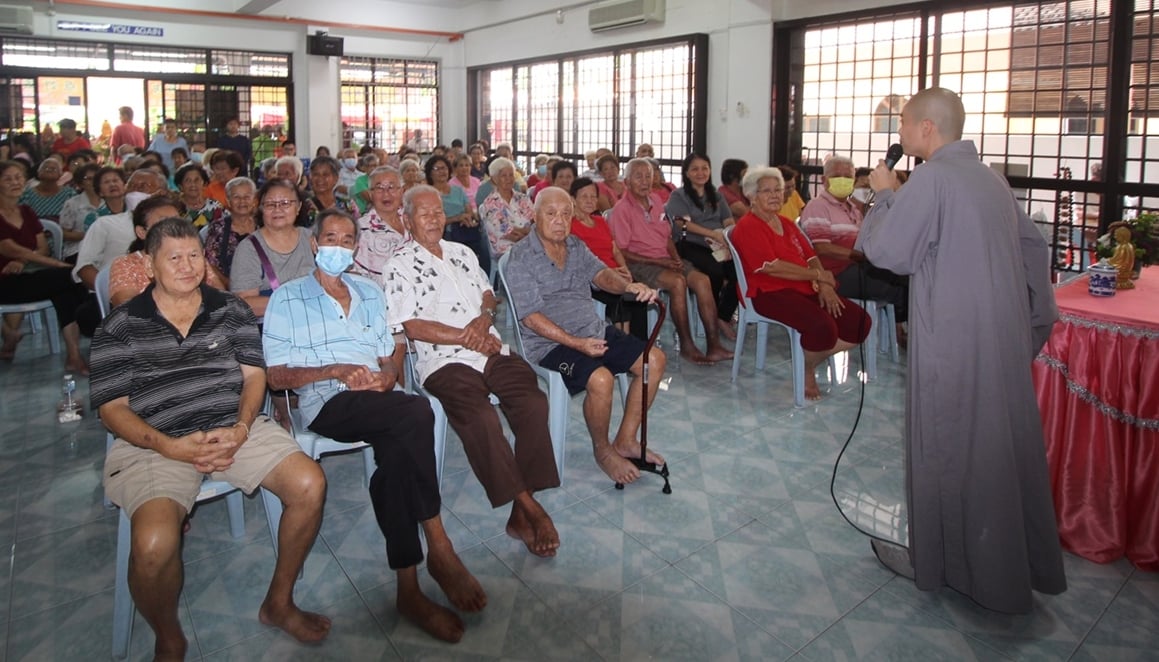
column 747, row 559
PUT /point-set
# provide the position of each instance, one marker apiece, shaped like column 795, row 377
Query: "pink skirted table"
column 1097, row 381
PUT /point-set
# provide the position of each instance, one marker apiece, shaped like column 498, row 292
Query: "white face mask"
column 133, row 199
column 861, row 195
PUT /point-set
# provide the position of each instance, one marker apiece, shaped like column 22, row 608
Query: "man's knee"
column 600, row 383
column 299, row 481
column 156, row 538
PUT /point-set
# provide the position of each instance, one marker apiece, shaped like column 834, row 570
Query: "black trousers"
column 722, row 275
column 54, row 284
column 862, row 280
column 619, row 310
column 405, row 488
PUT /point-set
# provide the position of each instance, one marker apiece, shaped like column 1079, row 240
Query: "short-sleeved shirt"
column 165, row 148
column 219, row 248
column 712, row 217
column 68, row 149
column 731, row 197
column 305, row 327
column 564, row 296
column 361, row 184
column 377, row 242
column 598, row 238
column 201, row 216
column 247, row 273
column 177, row 385
column 826, row 218
column 107, row 239
column 72, row 217
column 27, row 235
column 470, row 190
column 127, row 133
column 756, row 243
column 500, row 217
column 448, row 290
column 47, row 206
column 641, row 230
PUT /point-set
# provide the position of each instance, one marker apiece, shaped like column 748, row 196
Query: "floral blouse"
column 500, row 217
column 378, row 241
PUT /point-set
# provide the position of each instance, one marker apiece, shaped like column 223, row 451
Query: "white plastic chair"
column 749, row 315
column 315, row 445
column 558, row 398
column 41, row 312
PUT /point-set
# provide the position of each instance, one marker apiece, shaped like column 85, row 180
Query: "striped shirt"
column 306, row 328
column 47, row 206
column 177, row 385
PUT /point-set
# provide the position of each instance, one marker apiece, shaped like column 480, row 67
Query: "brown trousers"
column 464, row 392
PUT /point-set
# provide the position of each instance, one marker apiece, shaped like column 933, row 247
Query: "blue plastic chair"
column 749, row 315
column 41, row 313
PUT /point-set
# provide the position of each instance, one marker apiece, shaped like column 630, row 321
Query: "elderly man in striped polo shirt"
column 551, row 274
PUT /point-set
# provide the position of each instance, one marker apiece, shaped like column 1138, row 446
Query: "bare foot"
column 689, row 352
column 166, row 650
column 631, row 449
column 726, row 329
column 458, row 584
column 535, row 528
column 12, row 338
column 306, row 627
column 718, row 354
column 615, row 466
column 812, row 390
column 435, row 619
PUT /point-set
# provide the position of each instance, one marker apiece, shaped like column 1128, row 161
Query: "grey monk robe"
column 981, row 518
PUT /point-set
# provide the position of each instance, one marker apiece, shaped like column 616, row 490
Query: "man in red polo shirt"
column 70, row 141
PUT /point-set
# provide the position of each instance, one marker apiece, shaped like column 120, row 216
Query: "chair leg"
column 625, row 382
column 890, row 327
column 122, row 600
column 273, row 507
column 763, row 344
column 368, row 465
column 440, row 436
column 236, row 508
column 558, row 400
column 54, row 344
column 741, row 330
column 872, row 309
column 798, row 356
column 694, row 320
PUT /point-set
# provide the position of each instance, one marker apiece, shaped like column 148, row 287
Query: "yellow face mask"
column 840, row 187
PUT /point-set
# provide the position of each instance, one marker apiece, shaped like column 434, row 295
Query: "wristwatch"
column 490, row 311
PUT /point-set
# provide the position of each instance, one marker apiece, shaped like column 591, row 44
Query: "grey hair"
column 384, row 170
column 332, row 212
column 292, row 160
column 408, row 164
column 541, row 198
column 238, row 182
column 634, row 164
column 753, row 177
column 408, row 198
column 173, row 228
column 834, row 161
column 366, row 160
column 498, row 165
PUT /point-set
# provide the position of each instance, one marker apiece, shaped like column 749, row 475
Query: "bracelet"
column 247, row 428
column 684, row 230
column 490, row 311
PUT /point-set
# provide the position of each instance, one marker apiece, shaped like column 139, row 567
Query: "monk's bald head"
column 942, row 108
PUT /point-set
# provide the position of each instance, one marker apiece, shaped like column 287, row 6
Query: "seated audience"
column 48, row 196
column 794, row 203
column 226, row 165
column 277, row 252
column 78, row 207
column 130, row 274
column 551, row 275
column 661, row 188
column 381, row 231
column 507, row 214
column 444, row 302
column 645, row 151
column 787, row 281
column 539, row 173
column 699, row 216
column 228, row 229
column 832, row 222
column 462, row 223
column 200, row 209
column 178, row 378
column 559, row 167
column 592, row 229
column 412, row 174
column 732, row 171
column 464, row 179
column 348, row 174
column 110, row 184
column 28, row 273
column 358, row 192
column 326, row 337
column 646, row 241
column 324, row 184
column 610, row 186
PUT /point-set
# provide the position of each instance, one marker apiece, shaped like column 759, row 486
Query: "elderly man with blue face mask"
column 326, row 337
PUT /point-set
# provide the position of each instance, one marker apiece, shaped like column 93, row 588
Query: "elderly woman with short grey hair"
column 786, row 281
column 507, row 214
column 237, row 223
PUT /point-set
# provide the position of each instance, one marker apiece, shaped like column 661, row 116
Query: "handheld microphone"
column 893, row 155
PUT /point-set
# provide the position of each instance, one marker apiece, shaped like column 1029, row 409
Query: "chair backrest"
column 56, row 237
column 102, row 291
column 511, row 302
column 742, row 281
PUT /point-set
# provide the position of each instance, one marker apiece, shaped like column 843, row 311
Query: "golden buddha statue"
column 1124, row 258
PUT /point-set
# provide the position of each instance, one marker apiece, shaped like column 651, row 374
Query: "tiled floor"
column 747, row 559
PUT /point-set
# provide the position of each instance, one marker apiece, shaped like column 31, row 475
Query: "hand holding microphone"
column 882, row 176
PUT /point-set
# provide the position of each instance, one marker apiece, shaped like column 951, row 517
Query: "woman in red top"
column 590, row 227
column 28, row 273
column 786, row 281
column 612, row 188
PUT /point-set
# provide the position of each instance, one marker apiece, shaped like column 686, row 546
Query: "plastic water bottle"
column 69, row 409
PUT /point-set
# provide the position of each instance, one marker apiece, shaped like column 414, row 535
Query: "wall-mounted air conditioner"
column 617, row 14
column 15, row 19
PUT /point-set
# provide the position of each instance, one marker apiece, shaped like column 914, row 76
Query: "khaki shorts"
column 649, row 274
column 135, row 475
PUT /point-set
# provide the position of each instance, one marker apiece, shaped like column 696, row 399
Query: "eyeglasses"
column 439, row 167
column 386, row 188
column 278, row 204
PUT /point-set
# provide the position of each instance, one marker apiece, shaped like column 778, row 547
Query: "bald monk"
column 981, row 519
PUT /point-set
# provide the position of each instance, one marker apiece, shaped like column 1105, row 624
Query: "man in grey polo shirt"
column 550, row 275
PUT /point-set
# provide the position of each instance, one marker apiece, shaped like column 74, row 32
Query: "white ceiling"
column 453, row 4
